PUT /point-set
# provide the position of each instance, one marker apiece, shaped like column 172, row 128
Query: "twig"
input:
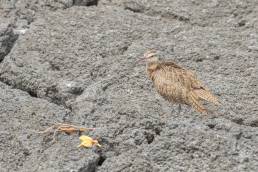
column 63, row 127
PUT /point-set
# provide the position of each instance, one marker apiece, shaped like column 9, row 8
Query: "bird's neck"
column 151, row 68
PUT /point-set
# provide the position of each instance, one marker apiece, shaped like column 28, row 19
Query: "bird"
column 177, row 84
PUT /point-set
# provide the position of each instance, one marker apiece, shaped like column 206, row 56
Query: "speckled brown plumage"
column 177, row 84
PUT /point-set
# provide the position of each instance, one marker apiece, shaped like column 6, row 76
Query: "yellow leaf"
column 88, row 142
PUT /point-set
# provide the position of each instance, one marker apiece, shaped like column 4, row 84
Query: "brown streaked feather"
column 179, row 85
column 178, row 74
column 170, row 64
column 167, row 83
column 200, row 90
column 195, row 104
column 206, row 95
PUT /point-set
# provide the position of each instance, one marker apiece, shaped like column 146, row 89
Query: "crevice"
column 211, row 126
column 54, row 67
column 157, row 131
column 55, row 100
column 134, row 7
column 149, row 137
column 168, row 16
column 93, row 2
column 77, row 91
column 134, row 10
column 51, row 94
column 238, row 121
column 253, row 123
column 101, row 159
column 7, row 41
column 241, row 23
column 199, row 60
column 85, row 2
column 32, row 94
column 137, row 8
column 175, row 17
column 105, row 87
column 124, row 48
column 239, row 135
column 217, row 57
column 90, row 167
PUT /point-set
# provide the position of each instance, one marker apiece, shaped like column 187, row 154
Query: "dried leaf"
column 88, row 142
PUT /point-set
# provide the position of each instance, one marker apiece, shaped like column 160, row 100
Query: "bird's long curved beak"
column 141, row 60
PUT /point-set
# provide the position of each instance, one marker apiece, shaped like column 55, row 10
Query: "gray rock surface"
column 23, row 149
column 77, row 64
column 24, row 12
column 216, row 13
column 7, row 37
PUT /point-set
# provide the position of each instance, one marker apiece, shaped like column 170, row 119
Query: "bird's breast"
column 168, row 88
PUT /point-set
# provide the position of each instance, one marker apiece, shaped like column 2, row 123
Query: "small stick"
column 63, row 127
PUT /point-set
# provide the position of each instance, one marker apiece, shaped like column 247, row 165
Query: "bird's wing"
column 168, row 82
column 171, row 64
column 188, row 80
column 171, row 91
column 177, row 74
column 201, row 90
column 174, row 84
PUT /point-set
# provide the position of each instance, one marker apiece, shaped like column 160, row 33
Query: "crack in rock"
column 7, row 39
column 85, row 2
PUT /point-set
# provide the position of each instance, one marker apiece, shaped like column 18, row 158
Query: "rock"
column 128, row 161
column 23, row 13
column 7, row 37
column 53, row 53
column 80, row 64
column 202, row 13
column 185, row 151
column 23, row 149
column 49, row 60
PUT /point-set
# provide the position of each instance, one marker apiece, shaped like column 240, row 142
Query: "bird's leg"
column 179, row 110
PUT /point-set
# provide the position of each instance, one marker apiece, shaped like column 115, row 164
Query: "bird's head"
column 149, row 56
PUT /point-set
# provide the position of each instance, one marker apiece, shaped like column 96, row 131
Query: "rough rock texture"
column 7, row 37
column 23, row 149
column 24, row 12
column 78, row 65
column 217, row 13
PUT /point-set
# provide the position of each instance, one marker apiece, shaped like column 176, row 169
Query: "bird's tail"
column 193, row 100
column 206, row 95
